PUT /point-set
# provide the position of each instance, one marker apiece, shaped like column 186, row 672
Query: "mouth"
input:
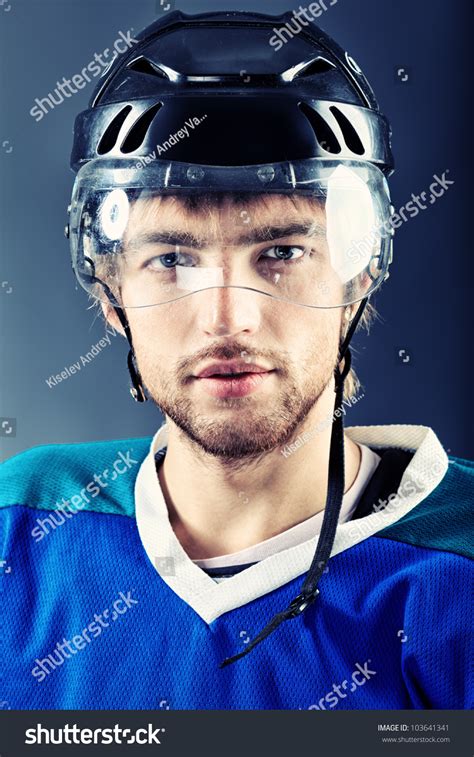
column 231, row 380
column 232, row 369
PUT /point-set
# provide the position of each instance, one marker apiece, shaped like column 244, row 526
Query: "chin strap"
column 137, row 390
column 335, row 493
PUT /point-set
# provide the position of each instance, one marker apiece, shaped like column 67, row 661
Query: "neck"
column 216, row 509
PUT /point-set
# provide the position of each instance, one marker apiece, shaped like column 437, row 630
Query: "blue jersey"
column 103, row 609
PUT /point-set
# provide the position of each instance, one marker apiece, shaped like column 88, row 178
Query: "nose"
column 228, row 311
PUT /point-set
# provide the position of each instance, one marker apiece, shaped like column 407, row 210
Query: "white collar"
column 210, row 599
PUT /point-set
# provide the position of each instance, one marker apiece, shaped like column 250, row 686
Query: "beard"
column 252, row 426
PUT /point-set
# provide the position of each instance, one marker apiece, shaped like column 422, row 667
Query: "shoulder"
column 43, row 476
column 443, row 520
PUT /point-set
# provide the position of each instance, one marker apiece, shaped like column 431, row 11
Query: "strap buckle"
column 300, row 603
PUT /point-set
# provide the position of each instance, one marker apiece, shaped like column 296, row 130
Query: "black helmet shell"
column 248, row 103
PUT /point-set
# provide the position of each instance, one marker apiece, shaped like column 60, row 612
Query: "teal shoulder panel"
column 96, row 476
column 444, row 520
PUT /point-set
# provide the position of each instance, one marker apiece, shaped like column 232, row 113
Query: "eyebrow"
column 254, row 236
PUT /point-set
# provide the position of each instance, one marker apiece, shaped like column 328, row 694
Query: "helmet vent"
column 143, row 66
column 314, row 67
column 109, row 137
column 324, row 134
column 350, row 135
column 137, row 133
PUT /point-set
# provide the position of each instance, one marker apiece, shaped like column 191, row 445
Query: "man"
column 231, row 217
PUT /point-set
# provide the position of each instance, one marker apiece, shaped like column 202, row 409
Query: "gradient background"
column 425, row 307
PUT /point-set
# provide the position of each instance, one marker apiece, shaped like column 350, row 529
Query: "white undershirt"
column 304, row 531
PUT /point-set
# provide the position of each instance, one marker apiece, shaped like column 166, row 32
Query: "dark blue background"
column 425, row 308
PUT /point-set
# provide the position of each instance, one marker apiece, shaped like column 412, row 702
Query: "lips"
column 231, row 369
column 231, row 379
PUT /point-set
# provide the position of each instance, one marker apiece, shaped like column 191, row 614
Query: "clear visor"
column 313, row 233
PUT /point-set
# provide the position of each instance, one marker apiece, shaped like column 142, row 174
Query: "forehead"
column 222, row 217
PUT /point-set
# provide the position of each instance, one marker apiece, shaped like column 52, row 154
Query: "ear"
column 349, row 312
column 111, row 317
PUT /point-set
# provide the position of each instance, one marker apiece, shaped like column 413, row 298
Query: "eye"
column 169, row 260
column 284, row 252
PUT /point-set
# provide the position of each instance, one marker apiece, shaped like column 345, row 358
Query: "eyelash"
column 276, row 259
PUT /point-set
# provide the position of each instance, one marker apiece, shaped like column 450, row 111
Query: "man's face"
column 295, row 347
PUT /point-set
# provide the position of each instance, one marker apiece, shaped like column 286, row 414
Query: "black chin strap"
column 335, row 493
column 137, row 389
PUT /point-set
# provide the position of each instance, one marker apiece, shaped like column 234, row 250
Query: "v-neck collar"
column 209, row 599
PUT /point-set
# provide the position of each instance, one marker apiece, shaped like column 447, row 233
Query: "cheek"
column 308, row 330
column 155, row 331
